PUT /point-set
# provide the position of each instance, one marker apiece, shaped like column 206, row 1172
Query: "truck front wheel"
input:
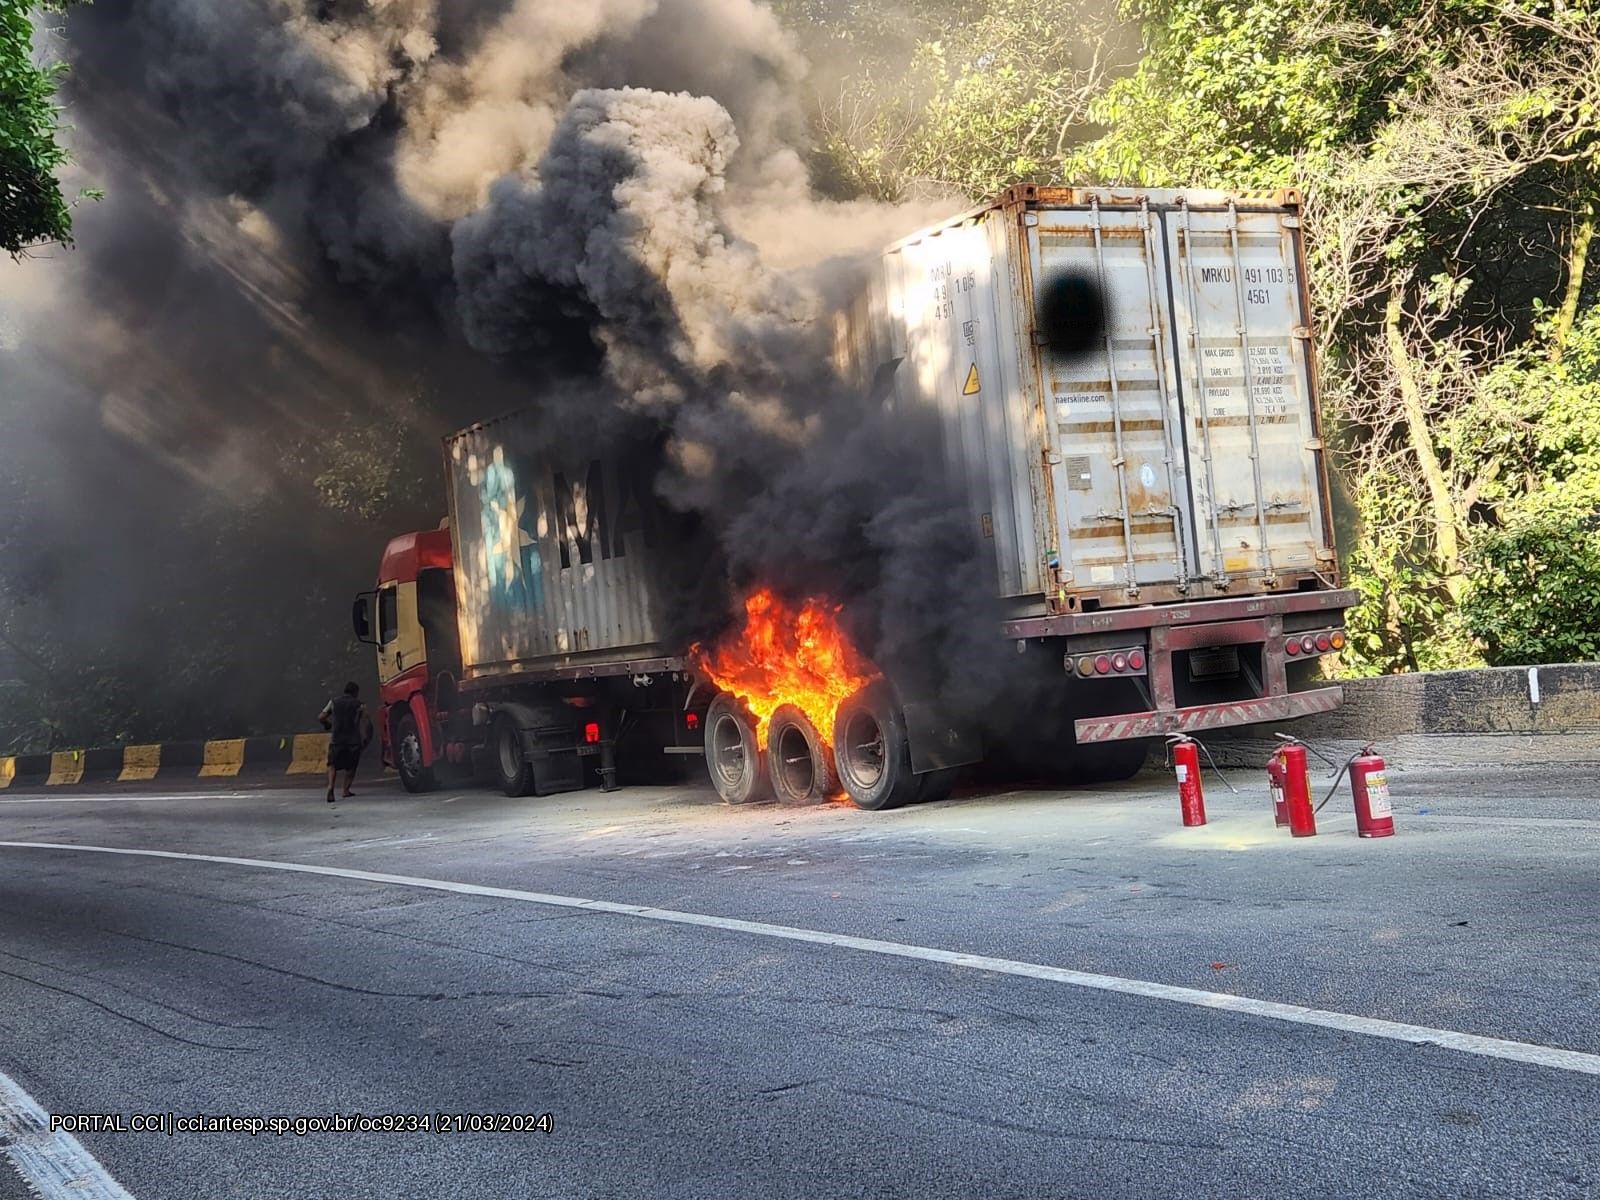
column 511, row 767
column 408, row 756
column 737, row 764
column 870, row 748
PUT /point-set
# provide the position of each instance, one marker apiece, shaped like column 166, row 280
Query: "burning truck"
column 1123, row 388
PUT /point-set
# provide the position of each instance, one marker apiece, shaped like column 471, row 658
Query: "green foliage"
column 32, row 208
column 1225, row 95
column 1534, row 568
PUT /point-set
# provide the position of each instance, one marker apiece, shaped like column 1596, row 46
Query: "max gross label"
column 173, row 1124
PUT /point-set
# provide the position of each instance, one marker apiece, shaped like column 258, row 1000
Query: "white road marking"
column 54, row 1165
column 1420, row 1035
column 108, row 797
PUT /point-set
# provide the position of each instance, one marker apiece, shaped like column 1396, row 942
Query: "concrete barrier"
column 223, row 758
column 1502, row 715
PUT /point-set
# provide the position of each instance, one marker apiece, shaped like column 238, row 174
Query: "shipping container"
column 554, row 550
column 1177, row 457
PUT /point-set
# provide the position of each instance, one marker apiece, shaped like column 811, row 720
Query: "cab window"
column 388, row 615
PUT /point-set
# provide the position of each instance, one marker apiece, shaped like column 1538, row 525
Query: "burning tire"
column 737, row 764
column 408, row 756
column 870, row 748
column 800, row 762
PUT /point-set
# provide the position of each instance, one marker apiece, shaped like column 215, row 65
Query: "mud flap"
column 937, row 742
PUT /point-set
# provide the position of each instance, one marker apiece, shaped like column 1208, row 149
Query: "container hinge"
column 1289, row 222
column 1303, row 332
column 1103, row 515
column 1030, row 219
column 1315, row 444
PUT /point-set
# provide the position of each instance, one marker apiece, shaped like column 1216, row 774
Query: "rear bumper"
column 1156, row 616
column 1208, row 716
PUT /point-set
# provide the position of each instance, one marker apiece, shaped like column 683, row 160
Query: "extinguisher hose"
column 1367, row 749
column 1173, row 739
column 1215, row 770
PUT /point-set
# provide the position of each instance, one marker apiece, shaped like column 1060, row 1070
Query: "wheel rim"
column 862, row 753
column 411, row 755
column 728, row 759
column 510, row 752
column 795, row 766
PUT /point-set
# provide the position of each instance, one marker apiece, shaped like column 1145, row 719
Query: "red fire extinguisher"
column 1186, row 763
column 1300, row 817
column 1369, row 784
column 1275, row 779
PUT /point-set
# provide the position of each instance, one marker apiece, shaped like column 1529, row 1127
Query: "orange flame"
column 788, row 656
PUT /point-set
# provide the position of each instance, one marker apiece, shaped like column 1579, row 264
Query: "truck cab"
column 410, row 618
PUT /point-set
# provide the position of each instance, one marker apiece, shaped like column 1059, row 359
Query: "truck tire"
column 871, row 751
column 734, row 759
column 1108, row 762
column 800, row 761
column 511, row 767
column 414, row 777
column 936, row 785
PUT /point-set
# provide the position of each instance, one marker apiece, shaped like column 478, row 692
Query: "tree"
column 32, row 209
column 1448, row 153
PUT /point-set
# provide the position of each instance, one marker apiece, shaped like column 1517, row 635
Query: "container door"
column 1243, row 371
column 1116, row 462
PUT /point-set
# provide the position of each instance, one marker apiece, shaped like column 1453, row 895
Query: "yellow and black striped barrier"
column 221, row 758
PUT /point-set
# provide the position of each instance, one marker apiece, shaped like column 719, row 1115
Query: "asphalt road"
column 698, row 1060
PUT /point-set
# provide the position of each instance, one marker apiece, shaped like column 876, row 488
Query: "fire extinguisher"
column 1369, row 786
column 1296, row 772
column 1186, row 763
column 1275, row 781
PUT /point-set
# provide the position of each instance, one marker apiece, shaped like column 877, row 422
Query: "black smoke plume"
column 331, row 216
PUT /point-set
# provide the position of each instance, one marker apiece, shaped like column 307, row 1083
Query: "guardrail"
column 224, row 758
column 1497, row 715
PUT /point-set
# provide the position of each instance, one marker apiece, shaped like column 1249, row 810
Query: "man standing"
column 345, row 718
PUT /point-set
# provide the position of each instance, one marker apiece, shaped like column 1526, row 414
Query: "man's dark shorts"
column 344, row 756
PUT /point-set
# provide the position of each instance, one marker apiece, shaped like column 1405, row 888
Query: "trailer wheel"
column 735, row 760
column 800, row 762
column 870, row 748
column 1109, row 762
column 408, row 756
column 511, row 766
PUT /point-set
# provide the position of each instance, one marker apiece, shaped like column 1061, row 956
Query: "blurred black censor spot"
column 1072, row 314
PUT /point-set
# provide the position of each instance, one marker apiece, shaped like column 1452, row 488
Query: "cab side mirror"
column 361, row 618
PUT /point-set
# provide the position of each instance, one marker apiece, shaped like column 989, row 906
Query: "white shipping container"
column 1180, row 457
column 555, row 553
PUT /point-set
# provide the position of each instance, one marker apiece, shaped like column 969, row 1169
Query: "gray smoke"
column 607, row 201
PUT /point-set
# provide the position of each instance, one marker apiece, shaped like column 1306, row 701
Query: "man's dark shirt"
column 344, row 713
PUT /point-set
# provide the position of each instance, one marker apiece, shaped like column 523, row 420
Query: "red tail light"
column 692, row 720
column 591, row 732
column 1324, row 642
column 1291, row 648
column 1102, row 665
column 1136, row 661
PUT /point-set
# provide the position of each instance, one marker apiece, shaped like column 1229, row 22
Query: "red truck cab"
column 410, row 617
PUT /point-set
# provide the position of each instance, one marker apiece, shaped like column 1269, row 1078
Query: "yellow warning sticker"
column 973, row 387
